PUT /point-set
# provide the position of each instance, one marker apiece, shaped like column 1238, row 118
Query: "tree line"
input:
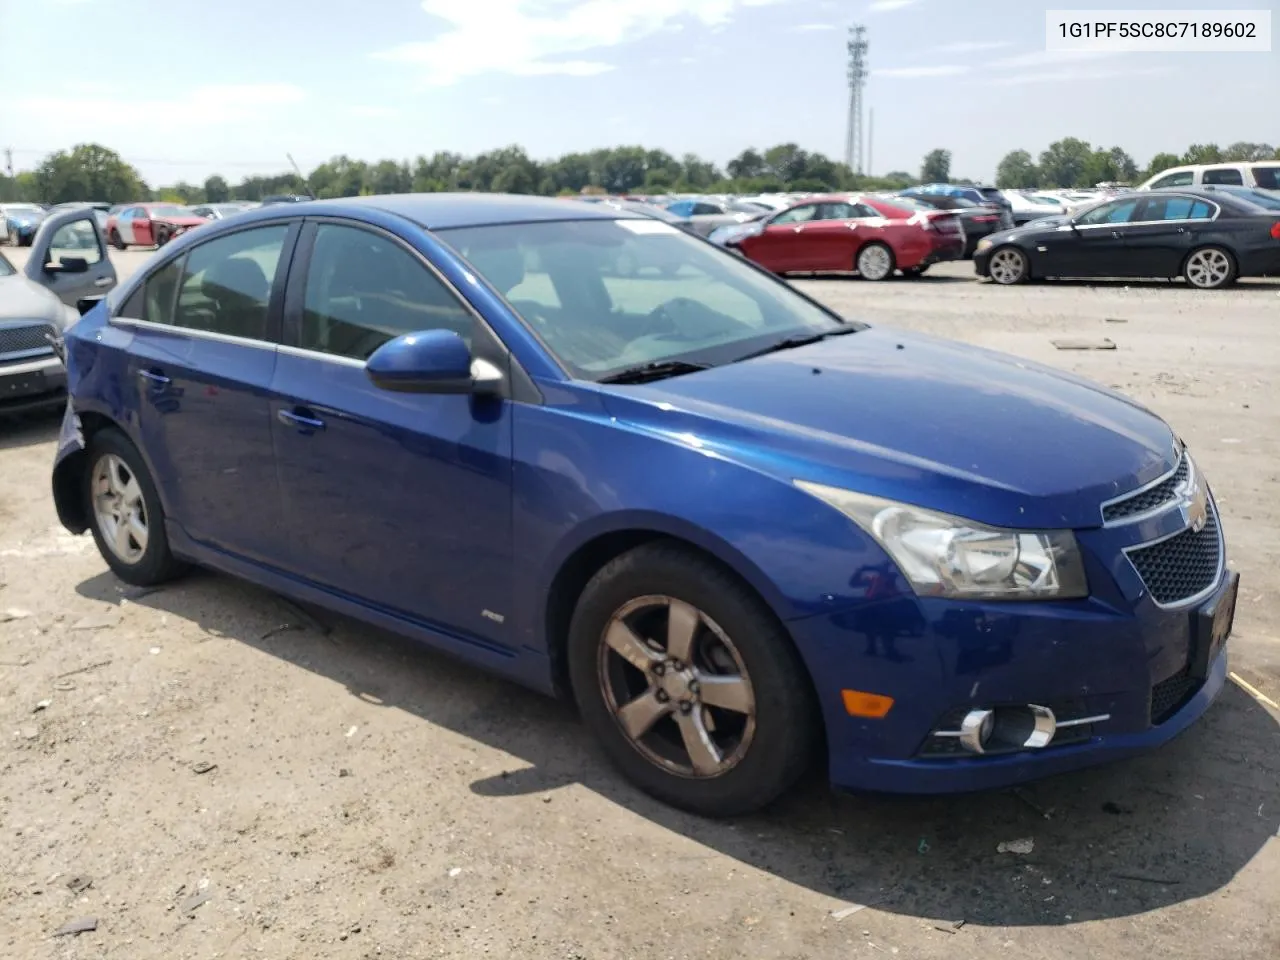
column 94, row 172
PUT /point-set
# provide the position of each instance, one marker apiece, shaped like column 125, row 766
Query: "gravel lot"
column 341, row 793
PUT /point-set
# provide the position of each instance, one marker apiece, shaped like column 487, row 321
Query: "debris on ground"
column 1046, row 813
column 84, row 925
column 204, row 766
column 453, row 872
column 309, row 622
column 104, row 620
column 1115, row 320
column 1071, row 344
column 42, row 705
column 1142, row 877
column 848, row 911
column 1115, row 809
column 79, row 884
column 29, row 732
column 1025, row 845
column 14, row 613
column 923, row 846
column 195, row 902
column 953, row 927
column 92, row 666
column 282, row 628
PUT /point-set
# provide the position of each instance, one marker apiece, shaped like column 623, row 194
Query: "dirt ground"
column 336, row 792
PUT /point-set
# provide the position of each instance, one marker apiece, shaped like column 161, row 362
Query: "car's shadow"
column 927, row 278
column 1168, row 828
column 1250, row 285
column 30, row 428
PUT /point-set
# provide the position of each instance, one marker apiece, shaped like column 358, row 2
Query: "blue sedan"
column 587, row 451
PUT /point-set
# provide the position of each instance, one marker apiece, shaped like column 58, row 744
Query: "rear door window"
column 1268, row 178
column 1183, row 178
column 1177, row 208
column 227, row 282
column 801, row 214
column 1120, row 211
column 1228, row 175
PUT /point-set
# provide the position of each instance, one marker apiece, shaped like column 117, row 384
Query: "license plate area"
column 22, row 385
column 1211, row 627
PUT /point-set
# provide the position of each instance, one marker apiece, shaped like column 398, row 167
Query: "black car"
column 978, row 220
column 1208, row 237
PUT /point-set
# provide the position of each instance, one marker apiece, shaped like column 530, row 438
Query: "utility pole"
column 8, row 162
column 857, row 50
column 871, row 132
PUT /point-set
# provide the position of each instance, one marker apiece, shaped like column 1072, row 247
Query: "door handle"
column 1182, row 229
column 1115, row 234
column 291, row 419
column 153, row 376
column 102, row 282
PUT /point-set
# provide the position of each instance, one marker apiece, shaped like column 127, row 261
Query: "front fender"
column 68, row 474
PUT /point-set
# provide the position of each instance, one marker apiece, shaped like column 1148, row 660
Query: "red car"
column 149, row 225
column 867, row 234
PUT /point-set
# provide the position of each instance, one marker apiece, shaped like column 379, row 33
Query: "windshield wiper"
column 646, row 372
column 792, row 342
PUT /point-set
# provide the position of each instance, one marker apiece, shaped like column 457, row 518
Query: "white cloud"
column 206, row 105
column 812, row 27
column 532, row 38
column 372, row 110
column 1065, row 76
column 884, row 6
column 938, row 70
column 973, row 46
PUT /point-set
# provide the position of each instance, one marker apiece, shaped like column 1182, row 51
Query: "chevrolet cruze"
column 596, row 455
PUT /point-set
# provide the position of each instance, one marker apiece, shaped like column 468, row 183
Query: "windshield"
column 608, row 295
column 168, row 210
column 910, row 203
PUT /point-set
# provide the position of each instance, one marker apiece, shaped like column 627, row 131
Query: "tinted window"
column 681, row 208
column 75, row 239
column 1183, row 179
column 1177, row 208
column 363, row 290
column 1223, row 175
column 842, row 211
column 707, row 209
column 797, row 214
column 1268, row 178
column 226, row 285
column 1119, row 212
column 157, row 295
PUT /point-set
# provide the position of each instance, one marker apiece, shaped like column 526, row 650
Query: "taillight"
column 1275, row 230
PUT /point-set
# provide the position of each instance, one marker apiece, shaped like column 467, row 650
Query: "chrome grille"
column 1184, row 565
column 25, row 338
column 1162, row 493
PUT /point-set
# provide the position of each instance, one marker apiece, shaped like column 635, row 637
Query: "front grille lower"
column 25, row 339
column 1169, row 696
column 1182, row 566
column 1150, row 498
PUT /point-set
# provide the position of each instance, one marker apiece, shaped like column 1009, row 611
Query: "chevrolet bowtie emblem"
column 1193, row 504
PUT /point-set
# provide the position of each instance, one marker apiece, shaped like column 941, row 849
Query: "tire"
column 116, row 241
column 26, row 241
column 162, row 237
column 1210, row 268
column 111, row 453
column 1008, row 265
column 764, row 742
column 874, row 262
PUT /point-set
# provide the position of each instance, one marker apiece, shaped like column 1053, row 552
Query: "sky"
column 186, row 88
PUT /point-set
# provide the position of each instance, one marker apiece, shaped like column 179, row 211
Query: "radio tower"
column 857, row 47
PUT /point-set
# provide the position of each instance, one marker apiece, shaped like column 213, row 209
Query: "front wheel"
column 1210, row 268
column 128, row 519
column 1008, row 265
column 690, row 683
column 116, row 240
column 875, row 262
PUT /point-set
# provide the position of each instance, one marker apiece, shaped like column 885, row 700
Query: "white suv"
column 1265, row 174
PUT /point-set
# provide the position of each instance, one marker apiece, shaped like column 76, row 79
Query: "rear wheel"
column 128, row 520
column 116, row 241
column 875, row 262
column 1008, row 265
column 1210, row 268
column 691, row 685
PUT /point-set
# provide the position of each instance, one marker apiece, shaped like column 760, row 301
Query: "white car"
column 1263, row 175
column 1027, row 207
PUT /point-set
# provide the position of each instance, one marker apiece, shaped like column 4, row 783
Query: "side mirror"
column 68, row 265
column 434, row 361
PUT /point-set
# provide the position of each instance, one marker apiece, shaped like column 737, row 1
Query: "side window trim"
column 486, row 342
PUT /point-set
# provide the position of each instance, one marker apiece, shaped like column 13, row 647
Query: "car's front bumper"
column 934, row 657
column 32, row 385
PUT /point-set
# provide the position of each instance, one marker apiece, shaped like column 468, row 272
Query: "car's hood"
column 188, row 221
column 940, row 424
column 21, row 299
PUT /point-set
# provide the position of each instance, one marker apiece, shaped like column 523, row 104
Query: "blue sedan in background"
column 589, row 452
column 21, row 221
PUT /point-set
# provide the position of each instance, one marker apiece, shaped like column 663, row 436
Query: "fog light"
column 976, row 730
column 1004, row 729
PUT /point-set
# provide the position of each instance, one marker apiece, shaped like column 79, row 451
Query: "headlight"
column 946, row 556
column 983, row 244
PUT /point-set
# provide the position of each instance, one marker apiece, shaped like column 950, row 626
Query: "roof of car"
column 440, row 211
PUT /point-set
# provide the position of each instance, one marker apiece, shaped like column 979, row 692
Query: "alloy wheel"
column 119, row 508
column 1208, row 269
column 677, row 687
column 1006, row 266
column 875, row 262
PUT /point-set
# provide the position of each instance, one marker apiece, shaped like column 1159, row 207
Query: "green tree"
column 745, row 165
column 1109, row 166
column 1202, row 153
column 88, row 171
column 1064, row 163
column 1017, row 170
column 936, row 167
column 786, row 162
column 1249, row 151
column 387, row 176
column 216, row 190
column 696, row 172
column 1162, row 162
column 897, row 180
